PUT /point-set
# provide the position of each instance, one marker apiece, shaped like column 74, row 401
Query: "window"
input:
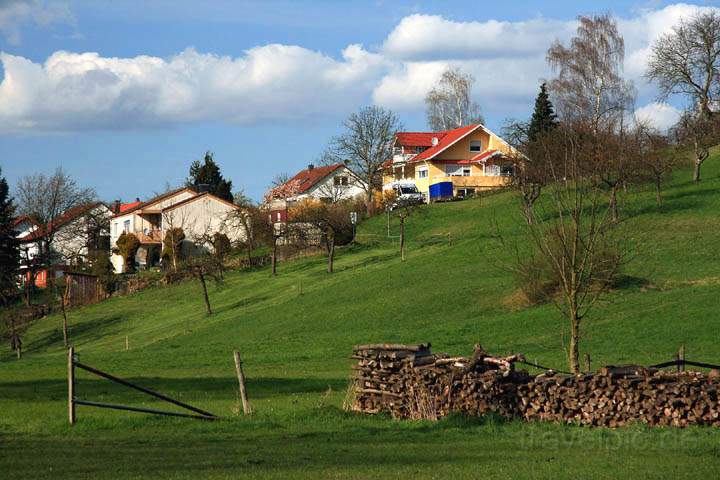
column 422, row 173
column 341, row 181
column 476, row 146
column 126, row 226
column 507, row 170
column 466, row 171
column 453, row 170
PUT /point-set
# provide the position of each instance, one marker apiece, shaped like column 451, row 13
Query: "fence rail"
column 73, row 401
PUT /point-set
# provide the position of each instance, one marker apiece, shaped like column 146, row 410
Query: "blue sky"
column 124, row 95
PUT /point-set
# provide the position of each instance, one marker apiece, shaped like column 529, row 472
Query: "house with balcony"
column 471, row 159
column 198, row 214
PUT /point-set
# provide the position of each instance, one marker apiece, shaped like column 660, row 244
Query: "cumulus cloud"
column 72, row 91
column 14, row 14
column 79, row 91
column 659, row 115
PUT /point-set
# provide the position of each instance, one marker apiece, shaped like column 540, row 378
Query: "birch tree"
column 449, row 105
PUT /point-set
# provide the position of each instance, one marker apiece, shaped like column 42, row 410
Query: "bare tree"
column 448, row 104
column 365, row 144
column 47, row 199
column 572, row 236
column 201, row 267
column 698, row 133
column 332, row 221
column 279, row 179
column 687, row 61
column 589, row 86
column 655, row 156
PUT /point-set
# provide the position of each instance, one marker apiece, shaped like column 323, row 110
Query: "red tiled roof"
column 450, row 137
column 481, row 157
column 418, row 139
column 24, row 218
column 308, row 178
column 127, row 206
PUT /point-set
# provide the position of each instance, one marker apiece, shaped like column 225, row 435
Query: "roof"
column 447, row 140
column 128, row 206
column 308, row 178
column 131, row 207
column 418, row 139
column 67, row 217
column 25, row 218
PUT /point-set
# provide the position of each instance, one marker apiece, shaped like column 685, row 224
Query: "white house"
column 199, row 215
column 74, row 234
column 329, row 183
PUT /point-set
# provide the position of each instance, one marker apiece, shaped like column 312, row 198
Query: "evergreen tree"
column 543, row 118
column 9, row 250
column 208, row 173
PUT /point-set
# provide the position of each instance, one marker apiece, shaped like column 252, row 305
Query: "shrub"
column 171, row 246
column 128, row 245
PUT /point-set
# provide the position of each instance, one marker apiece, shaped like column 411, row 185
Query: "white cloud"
column 72, row 91
column 14, row 14
column 84, row 91
column 659, row 115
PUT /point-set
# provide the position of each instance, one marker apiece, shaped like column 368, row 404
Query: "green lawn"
column 295, row 333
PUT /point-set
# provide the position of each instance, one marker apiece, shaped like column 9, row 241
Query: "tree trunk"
column 28, row 287
column 573, row 352
column 331, row 252
column 528, row 211
column 201, row 277
column 613, row 202
column 402, row 238
column 658, row 196
column 65, row 323
column 274, row 256
column 696, row 172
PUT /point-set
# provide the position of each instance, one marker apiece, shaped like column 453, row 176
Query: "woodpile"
column 408, row 381
column 618, row 396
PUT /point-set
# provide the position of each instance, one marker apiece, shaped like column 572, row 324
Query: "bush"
column 172, row 243
column 128, row 245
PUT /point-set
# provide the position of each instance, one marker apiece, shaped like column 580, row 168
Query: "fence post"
column 127, row 343
column 71, row 385
column 681, row 357
column 241, row 381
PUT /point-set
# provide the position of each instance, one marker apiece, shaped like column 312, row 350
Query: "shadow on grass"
column 89, row 386
column 94, row 329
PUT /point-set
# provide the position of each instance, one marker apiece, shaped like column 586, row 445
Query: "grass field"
column 295, row 332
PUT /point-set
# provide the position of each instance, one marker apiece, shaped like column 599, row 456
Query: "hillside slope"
column 295, row 330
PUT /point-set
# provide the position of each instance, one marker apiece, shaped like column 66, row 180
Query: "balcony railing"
column 402, row 157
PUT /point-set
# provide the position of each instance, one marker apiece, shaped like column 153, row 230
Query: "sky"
column 125, row 95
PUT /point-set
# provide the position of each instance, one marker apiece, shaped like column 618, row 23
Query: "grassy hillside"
column 295, row 332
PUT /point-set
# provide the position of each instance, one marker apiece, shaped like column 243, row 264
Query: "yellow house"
column 472, row 158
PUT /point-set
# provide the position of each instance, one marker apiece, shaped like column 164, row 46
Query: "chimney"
column 116, row 206
column 310, row 166
column 137, row 199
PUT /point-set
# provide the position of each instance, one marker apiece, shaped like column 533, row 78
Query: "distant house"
column 470, row 158
column 197, row 214
column 76, row 234
column 329, row 183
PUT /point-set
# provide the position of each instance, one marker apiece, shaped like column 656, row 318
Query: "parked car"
column 406, row 194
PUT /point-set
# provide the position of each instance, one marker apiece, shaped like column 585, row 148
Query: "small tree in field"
column 698, row 133
column 172, row 246
column 655, row 157
column 128, row 245
column 572, row 238
column 202, row 267
column 332, row 221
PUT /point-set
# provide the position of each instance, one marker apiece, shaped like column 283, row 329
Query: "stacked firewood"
column 408, row 381
column 617, row 396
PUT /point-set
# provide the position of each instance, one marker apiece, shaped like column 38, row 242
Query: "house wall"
column 71, row 240
column 326, row 187
column 206, row 215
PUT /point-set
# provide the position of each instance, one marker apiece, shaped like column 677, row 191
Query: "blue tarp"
column 441, row 190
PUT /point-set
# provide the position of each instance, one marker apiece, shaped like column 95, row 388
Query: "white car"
column 406, row 194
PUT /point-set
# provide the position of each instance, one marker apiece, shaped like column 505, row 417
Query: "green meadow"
column 295, row 332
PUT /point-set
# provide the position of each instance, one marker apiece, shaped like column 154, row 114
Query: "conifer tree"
column 9, row 251
column 543, row 118
column 208, row 173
